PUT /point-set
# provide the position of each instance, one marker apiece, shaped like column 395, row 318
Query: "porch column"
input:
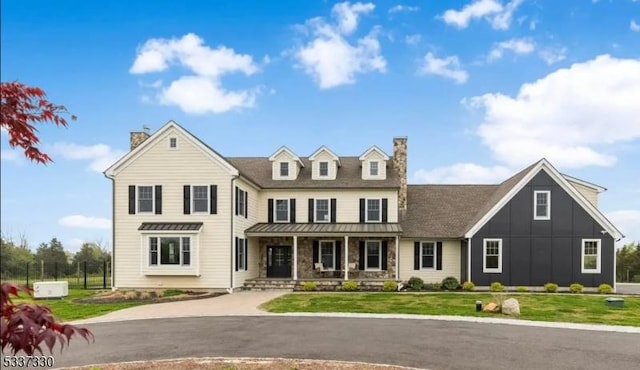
column 295, row 257
column 397, row 256
column 346, row 257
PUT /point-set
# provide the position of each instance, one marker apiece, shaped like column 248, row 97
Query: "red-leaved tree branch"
column 21, row 108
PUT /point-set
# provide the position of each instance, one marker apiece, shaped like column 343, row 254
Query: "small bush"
column 496, row 286
column 605, row 289
column 468, row 286
column 576, row 288
column 434, row 287
column 551, row 287
column 415, row 283
column 522, row 289
column 390, row 286
column 309, row 286
column 350, row 286
column 450, row 283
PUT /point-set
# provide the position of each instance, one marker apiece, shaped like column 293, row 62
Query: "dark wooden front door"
column 279, row 261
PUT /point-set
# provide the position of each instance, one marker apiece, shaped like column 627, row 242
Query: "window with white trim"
column 322, row 210
column 328, row 254
column 145, row 199
column 323, row 169
column 492, row 256
column 373, row 168
column 242, row 199
column 373, row 255
column 200, row 198
column 373, row 210
column 169, row 251
column 428, row 255
column 281, row 210
column 242, row 251
column 284, row 169
column 591, row 256
column 542, row 205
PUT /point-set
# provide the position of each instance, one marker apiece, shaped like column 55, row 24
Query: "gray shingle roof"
column 320, row 229
column 258, row 170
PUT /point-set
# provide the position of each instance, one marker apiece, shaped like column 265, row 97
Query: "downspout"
column 113, row 231
column 233, row 202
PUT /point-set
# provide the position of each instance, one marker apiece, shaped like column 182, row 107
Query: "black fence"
column 82, row 275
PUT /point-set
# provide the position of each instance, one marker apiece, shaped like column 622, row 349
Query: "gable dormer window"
column 284, row 169
column 324, row 169
column 373, row 168
column 542, row 205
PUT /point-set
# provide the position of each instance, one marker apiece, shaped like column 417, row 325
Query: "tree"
column 53, row 258
column 21, row 108
column 93, row 255
column 628, row 263
column 13, row 258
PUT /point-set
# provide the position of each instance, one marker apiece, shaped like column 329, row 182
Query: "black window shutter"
column 237, row 255
column 187, row 199
column 310, row 210
column 237, row 200
column 416, row 255
column 246, row 254
column 270, row 210
column 361, row 210
column 361, row 255
column 246, row 204
column 213, row 202
column 292, row 210
column 384, row 255
column 439, row 256
column 384, row 209
column 132, row 199
column 158, row 199
column 338, row 263
column 333, row 210
column 316, row 253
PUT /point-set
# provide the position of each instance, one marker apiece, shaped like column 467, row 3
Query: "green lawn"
column 66, row 310
column 577, row 308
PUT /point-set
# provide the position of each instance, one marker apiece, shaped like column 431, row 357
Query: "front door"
column 279, row 261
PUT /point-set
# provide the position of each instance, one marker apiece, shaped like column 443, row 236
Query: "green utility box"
column 615, row 302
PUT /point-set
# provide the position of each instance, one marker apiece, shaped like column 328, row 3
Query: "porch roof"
column 306, row 229
column 170, row 226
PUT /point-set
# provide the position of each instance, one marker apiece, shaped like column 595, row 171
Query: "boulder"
column 511, row 307
column 491, row 307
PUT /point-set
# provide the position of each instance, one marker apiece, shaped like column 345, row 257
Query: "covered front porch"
column 327, row 251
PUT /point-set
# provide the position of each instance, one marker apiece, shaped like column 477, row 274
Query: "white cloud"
column 413, row 39
column 403, row 8
column 101, row 156
column 553, row 55
column 208, row 66
column 85, row 222
column 628, row 222
column 463, row 173
column 332, row 60
column 73, row 244
column 521, row 46
column 633, row 26
column 10, row 155
column 448, row 67
column 574, row 116
column 499, row 16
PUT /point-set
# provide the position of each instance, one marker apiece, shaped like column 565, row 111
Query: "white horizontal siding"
column 450, row 262
column 240, row 225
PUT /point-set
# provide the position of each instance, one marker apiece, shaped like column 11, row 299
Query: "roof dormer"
column 324, row 164
column 286, row 164
column 374, row 164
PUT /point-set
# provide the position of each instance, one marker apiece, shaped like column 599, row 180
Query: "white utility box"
column 50, row 289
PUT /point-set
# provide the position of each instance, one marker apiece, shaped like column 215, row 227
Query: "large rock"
column 511, row 307
column 491, row 307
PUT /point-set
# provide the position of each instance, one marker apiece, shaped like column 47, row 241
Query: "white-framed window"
column 242, row 252
column 200, row 198
column 242, row 200
column 328, row 254
column 373, row 168
column 169, row 251
column 284, row 169
column 428, row 256
column 542, row 205
column 173, row 143
column 373, row 255
column 323, row 169
column 591, row 256
column 373, row 210
column 322, row 210
column 146, row 199
column 281, row 210
column 492, row 256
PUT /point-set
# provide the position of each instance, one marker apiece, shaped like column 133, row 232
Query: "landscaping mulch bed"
column 119, row 297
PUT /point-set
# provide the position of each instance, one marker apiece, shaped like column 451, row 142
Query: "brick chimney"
column 138, row 137
column 400, row 165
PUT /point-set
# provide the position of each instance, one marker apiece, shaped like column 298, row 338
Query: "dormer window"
column 284, row 169
column 324, row 169
column 373, row 168
column 285, row 165
column 374, row 164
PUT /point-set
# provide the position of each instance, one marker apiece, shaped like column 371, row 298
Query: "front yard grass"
column 576, row 308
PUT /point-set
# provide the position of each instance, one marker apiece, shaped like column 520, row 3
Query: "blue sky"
column 481, row 88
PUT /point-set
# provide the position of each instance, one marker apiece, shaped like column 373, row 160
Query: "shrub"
column 350, row 286
column 496, row 286
column 435, row 287
column 551, row 287
column 25, row 326
column 415, row 283
column 390, row 286
column 576, row 288
column 605, row 289
column 522, row 289
column 468, row 286
column 309, row 286
column 450, row 283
